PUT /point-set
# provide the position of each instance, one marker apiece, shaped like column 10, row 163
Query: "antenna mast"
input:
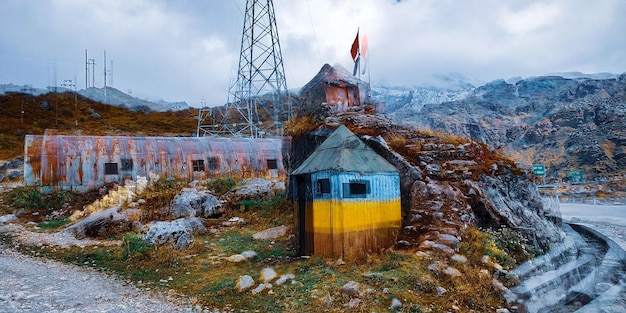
column 260, row 92
column 105, row 76
column 86, row 70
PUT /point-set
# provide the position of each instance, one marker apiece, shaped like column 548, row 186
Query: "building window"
column 323, row 186
column 358, row 189
column 272, row 164
column 127, row 164
column 197, row 165
column 212, row 163
column 110, row 169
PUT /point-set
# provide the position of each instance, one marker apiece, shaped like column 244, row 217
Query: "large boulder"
column 271, row 233
column 257, row 189
column 191, row 202
column 15, row 174
column 513, row 201
column 101, row 224
column 178, row 233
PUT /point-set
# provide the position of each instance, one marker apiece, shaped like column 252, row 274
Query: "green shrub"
column 28, row 198
column 514, row 244
column 277, row 201
column 477, row 243
column 135, row 247
column 59, row 200
column 158, row 196
column 54, row 224
column 164, row 183
column 221, row 185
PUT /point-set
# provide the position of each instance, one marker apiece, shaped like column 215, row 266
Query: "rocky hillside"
column 566, row 122
column 447, row 182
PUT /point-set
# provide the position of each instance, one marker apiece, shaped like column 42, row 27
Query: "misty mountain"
column 118, row 98
column 113, row 97
column 566, row 120
column 442, row 88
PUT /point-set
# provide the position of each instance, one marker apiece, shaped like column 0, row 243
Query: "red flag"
column 355, row 46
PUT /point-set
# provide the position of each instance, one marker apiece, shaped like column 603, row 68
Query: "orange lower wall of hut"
column 350, row 229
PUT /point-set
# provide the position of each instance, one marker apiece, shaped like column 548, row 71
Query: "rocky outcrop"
column 512, row 201
column 178, row 233
column 255, row 189
column 191, row 202
column 101, row 224
column 12, row 169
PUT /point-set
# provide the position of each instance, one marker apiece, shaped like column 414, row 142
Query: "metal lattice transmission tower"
column 259, row 101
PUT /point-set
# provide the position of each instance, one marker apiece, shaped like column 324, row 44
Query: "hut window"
column 198, row 165
column 110, row 169
column 358, row 189
column 323, row 186
column 127, row 164
column 212, row 163
column 272, row 164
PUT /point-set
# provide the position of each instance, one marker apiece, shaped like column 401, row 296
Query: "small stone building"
column 336, row 87
column 347, row 199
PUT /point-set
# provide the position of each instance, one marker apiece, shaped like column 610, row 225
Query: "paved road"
column 610, row 220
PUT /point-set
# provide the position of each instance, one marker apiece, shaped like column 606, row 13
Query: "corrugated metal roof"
column 343, row 151
column 79, row 162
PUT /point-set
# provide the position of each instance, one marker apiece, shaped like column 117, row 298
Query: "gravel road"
column 29, row 284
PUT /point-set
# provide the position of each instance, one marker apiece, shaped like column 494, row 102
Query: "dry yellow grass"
column 114, row 120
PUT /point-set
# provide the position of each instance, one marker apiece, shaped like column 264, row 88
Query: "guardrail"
column 592, row 200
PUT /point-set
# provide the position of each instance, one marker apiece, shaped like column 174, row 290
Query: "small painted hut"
column 347, row 199
column 81, row 163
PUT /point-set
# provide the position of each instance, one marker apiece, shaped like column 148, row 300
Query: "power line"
column 317, row 46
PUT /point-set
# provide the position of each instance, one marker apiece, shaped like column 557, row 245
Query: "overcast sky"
column 187, row 50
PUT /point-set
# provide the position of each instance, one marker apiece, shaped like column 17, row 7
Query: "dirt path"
column 30, row 284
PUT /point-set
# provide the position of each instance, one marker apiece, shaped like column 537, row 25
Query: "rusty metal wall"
column 78, row 163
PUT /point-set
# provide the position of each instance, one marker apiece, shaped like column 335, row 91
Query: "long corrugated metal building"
column 81, row 163
column 347, row 199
